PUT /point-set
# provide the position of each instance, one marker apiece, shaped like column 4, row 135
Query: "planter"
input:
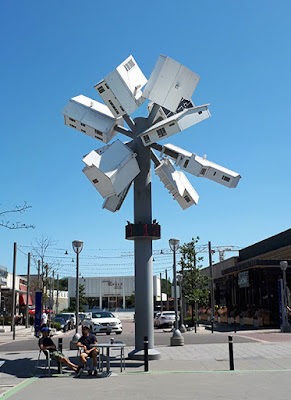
column 223, row 318
column 229, row 320
column 266, row 320
column 237, row 319
column 248, row 321
column 256, row 323
column 203, row 317
column 241, row 320
column 218, row 319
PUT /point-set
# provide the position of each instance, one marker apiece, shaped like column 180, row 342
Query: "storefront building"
column 107, row 292
column 248, row 284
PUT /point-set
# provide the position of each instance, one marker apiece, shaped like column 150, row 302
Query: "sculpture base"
column 177, row 339
column 139, row 355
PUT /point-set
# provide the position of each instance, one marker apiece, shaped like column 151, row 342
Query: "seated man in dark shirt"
column 87, row 341
column 46, row 344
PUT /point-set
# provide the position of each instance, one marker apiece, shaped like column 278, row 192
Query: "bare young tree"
column 40, row 247
column 6, row 223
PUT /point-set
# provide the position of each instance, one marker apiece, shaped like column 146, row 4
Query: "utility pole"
column 167, row 289
column 38, row 274
column 53, row 289
column 211, row 280
column 27, row 291
column 13, row 291
column 161, row 292
column 57, row 301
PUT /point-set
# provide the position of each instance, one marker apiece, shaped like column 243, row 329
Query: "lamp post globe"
column 174, row 244
column 77, row 247
column 177, row 338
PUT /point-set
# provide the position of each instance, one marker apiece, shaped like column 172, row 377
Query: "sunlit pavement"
column 262, row 370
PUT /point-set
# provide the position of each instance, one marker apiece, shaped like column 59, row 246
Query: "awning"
column 22, row 300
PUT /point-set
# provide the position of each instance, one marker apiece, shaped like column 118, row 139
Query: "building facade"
column 108, row 292
column 249, row 284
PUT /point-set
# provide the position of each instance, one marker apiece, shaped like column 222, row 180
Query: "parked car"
column 103, row 321
column 164, row 319
column 69, row 317
column 63, row 322
column 82, row 316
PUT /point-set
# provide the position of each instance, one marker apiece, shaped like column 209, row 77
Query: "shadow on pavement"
column 20, row 368
column 26, row 367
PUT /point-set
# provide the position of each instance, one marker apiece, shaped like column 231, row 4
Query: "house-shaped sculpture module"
column 90, row 117
column 113, row 203
column 169, row 82
column 111, row 169
column 201, row 167
column 177, row 184
column 163, row 113
column 121, row 89
column 176, row 123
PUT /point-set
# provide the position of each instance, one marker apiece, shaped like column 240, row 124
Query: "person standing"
column 44, row 318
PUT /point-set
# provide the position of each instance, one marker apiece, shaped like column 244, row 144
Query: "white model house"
column 91, row 117
column 177, row 184
column 176, row 123
column 113, row 203
column 200, row 166
column 111, row 168
column 121, row 89
column 169, row 82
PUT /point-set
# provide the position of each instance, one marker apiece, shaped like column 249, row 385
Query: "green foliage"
column 194, row 284
column 56, row 325
column 63, row 284
column 188, row 321
column 195, row 287
column 82, row 300
column 164, row 287
column 130, row 301
column 189, row 257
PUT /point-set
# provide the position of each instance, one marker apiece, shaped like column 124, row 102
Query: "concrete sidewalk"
column 262, row 370
column 157, row 386
column 21, row 333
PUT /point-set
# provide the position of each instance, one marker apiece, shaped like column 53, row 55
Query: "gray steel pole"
column 77, row 294
column 161, row 303
column 27, row 291
column 42, row 273
column 175, row 289
column 38, row 274
column 53, row 290
column 181, row 302
column 285, row 315
column 167, row 289
column 57, row 301
column 13, row 291
column 143, row 246
column 285, row 323
column 211, row 280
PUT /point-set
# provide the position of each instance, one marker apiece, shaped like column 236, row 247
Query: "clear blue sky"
column 52, row 51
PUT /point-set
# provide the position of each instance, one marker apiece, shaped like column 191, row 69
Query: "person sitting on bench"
column 86, row 341
column 46, row 344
